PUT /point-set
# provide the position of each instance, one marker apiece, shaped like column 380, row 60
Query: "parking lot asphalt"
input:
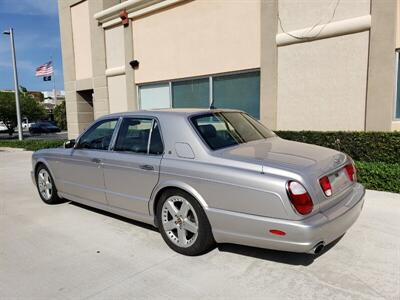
column 69, row 251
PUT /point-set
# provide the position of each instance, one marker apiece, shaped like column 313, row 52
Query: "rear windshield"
column 225, row 129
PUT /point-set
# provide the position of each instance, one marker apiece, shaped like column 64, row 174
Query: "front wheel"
column 45, row 185
column 183, row 224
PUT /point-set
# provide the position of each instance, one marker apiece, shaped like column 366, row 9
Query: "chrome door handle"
column 96, row 160
column 146, row 167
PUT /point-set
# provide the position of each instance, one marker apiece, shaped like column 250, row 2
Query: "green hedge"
column 379, row 176
column 376, row 154
column 31, row 145
column 361, row 146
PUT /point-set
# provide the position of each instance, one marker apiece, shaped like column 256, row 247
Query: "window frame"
column 103, row 120
column 210, row 78
column 154, row 120
column 397, row 70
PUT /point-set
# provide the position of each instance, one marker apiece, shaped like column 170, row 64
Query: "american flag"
column 44, row 70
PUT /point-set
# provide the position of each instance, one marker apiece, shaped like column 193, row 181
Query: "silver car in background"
column 206, row 176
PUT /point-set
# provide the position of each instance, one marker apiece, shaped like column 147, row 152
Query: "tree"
column 60, row 115
column 29, row 109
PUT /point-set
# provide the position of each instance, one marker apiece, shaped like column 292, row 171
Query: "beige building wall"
column 197, row 38
column 117, row 93
column 382, row 66
column 322, row 83
column 81, row 40
column 115, row 62
column 115, row 51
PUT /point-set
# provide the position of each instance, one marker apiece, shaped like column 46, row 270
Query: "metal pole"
column 20, row 137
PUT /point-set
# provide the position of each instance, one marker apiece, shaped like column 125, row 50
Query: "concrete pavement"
column 69, row 251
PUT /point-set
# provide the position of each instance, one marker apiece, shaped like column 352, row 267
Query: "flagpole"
column 54, row 82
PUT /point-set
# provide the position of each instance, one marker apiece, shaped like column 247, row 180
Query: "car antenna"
column 212, row 105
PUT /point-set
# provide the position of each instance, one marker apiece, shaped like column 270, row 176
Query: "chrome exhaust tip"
column 318, row 248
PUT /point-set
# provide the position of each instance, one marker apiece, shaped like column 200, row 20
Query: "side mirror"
column 69, row 144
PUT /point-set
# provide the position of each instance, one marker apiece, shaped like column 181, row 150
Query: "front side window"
column 98, row 137
column 225, row 129
column 139, row 136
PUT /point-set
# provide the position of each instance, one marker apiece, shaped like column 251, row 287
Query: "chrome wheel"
column 179, row 221
column 45, row 185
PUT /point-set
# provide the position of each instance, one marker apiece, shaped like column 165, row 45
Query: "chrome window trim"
column 153, row 119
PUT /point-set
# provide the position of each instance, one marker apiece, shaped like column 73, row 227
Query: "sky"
column 37, row 38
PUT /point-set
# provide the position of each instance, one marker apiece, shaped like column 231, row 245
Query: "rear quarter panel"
column 242, row 188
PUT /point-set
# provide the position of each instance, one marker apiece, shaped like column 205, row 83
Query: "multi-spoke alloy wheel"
column 183, row 224
column 179, row 221
column 45, row 185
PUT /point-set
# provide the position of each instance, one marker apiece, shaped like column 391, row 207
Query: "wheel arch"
column 173, row 184
column 42, row 161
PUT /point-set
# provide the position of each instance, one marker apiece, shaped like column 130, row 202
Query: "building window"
column 236, row 91
column 397, row 98
column 191, row 93
column 154, row 96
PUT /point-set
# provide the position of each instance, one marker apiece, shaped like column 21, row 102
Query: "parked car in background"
column 205, row 176
column 3, row 128
column 43, row 127
column 26, row 124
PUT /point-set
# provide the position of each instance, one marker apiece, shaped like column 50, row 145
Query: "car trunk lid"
column 310, row 161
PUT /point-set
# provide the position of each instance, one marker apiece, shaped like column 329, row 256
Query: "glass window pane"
column 156, row 144
column 238, row 91
column 154, row 96
column 98, row 136
column 225, row 129
column 397, row 115
column 191, row 93
column 133, row 135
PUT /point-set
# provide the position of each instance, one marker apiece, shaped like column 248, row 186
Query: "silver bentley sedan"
column 206, row 176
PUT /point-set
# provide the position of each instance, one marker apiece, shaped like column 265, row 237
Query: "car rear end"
column 329, row 201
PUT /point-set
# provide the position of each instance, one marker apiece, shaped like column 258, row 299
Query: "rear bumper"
column 301, row 236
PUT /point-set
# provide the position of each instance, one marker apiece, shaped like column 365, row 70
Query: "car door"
column 131, row 169
column 82, row 169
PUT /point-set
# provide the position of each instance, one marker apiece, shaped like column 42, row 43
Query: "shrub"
column 379, row 176
column 31, row 145
column 361, row 146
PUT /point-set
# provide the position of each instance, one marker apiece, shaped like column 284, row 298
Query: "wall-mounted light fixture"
column 134, row 64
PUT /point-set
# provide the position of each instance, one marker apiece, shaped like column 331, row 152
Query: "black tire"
column 204, row 240
column 53, row 199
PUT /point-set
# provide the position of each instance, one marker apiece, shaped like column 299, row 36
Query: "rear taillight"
column 299, row 197
column 351, row 171
column 326, row 186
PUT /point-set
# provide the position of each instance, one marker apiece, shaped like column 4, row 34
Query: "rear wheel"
column 183, row 224
column 45, row 185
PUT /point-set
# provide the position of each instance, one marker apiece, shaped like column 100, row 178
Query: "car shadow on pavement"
column 283, row 257
column 290, row 258
column 114, row 216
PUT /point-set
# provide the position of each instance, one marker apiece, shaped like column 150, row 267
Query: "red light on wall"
column 124, row 17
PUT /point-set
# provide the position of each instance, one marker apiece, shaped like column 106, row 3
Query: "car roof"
column 170, row 111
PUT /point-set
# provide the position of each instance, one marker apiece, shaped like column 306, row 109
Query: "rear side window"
column 139, row 136
column 98, row 137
